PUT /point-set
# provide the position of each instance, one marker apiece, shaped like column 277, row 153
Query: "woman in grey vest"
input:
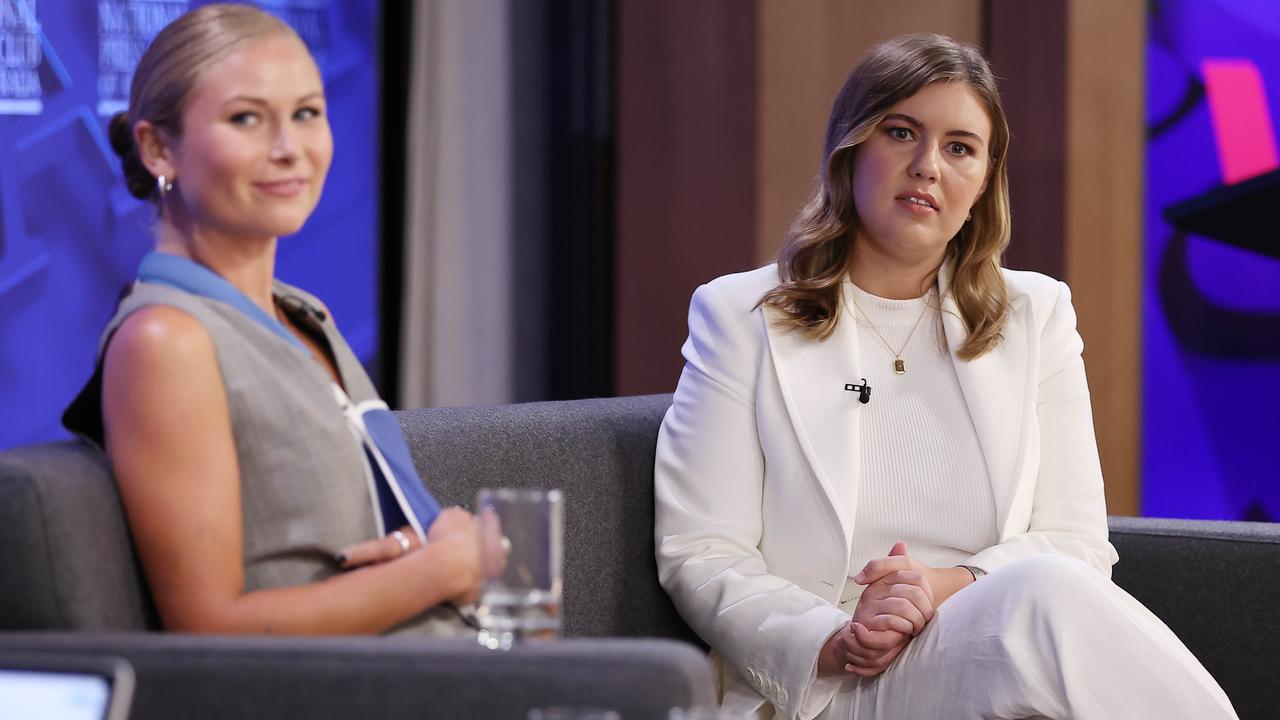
column 266, row 486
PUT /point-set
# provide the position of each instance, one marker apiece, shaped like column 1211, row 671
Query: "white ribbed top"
column 924, row 480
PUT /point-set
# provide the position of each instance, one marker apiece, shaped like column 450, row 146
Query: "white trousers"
column 1045, row 637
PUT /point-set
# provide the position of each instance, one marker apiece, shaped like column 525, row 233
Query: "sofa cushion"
column 282, row 678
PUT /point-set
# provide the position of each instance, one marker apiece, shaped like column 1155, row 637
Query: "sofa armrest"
column 278, row 678
column 1215, row 584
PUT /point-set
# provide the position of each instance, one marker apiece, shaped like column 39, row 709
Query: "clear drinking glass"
column 521, row 542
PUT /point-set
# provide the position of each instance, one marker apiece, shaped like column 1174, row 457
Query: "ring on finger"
column 403, row 539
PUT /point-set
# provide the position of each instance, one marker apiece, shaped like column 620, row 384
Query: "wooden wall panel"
column 806, row 50
column 1104, row 203
column 1027, row 46
column 685, row 172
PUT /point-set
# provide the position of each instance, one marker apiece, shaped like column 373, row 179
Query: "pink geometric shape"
column 1241, row 118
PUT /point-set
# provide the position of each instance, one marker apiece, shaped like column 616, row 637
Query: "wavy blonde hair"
column 815, row 257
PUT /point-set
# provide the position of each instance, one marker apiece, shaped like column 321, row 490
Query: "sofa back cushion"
column 1189, row 572
column 67, row 563
column 600, row 454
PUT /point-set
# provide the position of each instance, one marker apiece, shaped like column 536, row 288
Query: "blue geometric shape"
column 51, row 322
column 53, row 74
column 21, row 256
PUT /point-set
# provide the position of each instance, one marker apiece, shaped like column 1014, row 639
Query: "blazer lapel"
column 812, row 376
column 994, row 388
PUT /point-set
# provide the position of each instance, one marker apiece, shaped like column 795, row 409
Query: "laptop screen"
column 53, row 695
column 93, row 689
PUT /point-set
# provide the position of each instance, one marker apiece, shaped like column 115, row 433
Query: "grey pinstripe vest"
column 303, row 485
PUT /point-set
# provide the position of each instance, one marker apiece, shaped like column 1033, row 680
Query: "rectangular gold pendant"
column 899, row 367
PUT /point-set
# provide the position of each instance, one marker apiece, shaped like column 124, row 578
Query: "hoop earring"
column 163, row 186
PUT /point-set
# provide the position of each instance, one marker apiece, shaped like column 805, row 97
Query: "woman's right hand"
column 860, row 650
column 458, row 533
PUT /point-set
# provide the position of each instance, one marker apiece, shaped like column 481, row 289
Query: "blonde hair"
column 169, row 69
column 815, row 256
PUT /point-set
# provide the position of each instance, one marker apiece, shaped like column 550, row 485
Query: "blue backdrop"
column 70, row 234
column 1212, row 261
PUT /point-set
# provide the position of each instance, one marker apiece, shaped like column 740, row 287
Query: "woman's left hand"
column 897, row 587
column 371, row 552
column 940, row 583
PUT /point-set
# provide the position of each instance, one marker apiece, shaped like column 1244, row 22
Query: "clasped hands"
column 899, row 601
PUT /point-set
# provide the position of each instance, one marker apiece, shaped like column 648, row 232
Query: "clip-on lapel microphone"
column 863, row 390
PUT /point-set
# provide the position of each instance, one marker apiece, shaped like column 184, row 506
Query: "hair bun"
column 120, row 134
column 139, row 180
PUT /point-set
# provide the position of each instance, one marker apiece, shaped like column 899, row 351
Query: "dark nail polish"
column 341, row 558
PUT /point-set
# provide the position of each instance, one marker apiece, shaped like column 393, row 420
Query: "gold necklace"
column 899, row 365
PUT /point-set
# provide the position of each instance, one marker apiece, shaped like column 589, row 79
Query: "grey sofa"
column 69, row 584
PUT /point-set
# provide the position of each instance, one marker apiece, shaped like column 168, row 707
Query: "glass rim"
column 526, row 494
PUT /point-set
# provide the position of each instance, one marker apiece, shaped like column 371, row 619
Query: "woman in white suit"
column 878, row 489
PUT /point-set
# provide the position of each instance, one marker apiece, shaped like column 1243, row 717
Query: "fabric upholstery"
column 67, row 561
column 600, row 454
column 1214, row 584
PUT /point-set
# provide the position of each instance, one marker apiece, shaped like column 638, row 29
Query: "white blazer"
column 757, row 469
